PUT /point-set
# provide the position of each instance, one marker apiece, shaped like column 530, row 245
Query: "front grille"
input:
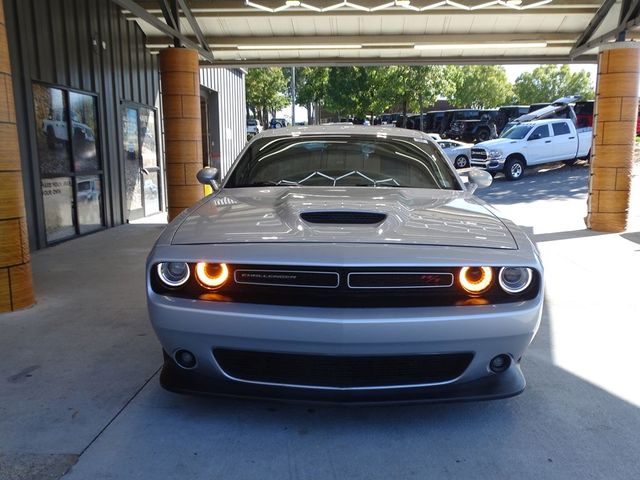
column 342, row 371
column 340, row 217
column 479, row 153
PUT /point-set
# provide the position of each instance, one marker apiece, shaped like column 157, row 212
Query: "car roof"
column 342, row 129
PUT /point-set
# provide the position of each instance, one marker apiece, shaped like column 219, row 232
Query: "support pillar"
column 614, row 132
column 16, row 285
column 180, row 87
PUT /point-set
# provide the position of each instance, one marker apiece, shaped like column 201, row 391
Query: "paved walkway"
column 79, row 387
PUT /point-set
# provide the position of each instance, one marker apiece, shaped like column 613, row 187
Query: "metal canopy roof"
column 239, row 33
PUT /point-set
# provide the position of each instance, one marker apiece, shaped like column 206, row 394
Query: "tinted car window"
column 518, row 132
column 540, row 132
column 561, row 128
column 343, row 161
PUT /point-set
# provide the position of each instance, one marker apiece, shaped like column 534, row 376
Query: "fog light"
column 500, row 363
column 173, row 274
column 185, row 359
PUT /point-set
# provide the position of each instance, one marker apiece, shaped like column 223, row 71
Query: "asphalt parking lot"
column 80, row 392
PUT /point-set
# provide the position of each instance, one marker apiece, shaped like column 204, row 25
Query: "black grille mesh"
column 342, row 371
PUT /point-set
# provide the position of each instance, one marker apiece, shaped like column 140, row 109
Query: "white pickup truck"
column 532, row 143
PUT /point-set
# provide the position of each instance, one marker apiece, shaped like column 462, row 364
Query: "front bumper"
column 494, row 165
column 484, row 330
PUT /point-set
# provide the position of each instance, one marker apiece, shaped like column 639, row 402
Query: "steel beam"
column 610, row 35
column 152, row 20
column 194, row 24
column 593, row 25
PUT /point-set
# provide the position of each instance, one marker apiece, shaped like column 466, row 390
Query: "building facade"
column 88, row 112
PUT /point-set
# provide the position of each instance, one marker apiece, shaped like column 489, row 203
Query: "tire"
column 570, row 162
column 514, row 169
column 461, row 161
column 483, row 135
column 51, row 138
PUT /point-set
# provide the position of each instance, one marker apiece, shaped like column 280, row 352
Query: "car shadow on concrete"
column 561, row 427
column 547, row 182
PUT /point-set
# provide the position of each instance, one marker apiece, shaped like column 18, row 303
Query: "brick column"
column 16, row 286
column 614, row 124
column 180, row 86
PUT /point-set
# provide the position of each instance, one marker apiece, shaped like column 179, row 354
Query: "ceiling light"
column 403, row 3
column 298, row 47
column 514, row 2
column 479, row 46
column 296, row 3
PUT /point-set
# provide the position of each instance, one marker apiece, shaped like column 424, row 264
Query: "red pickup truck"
column 584, row 115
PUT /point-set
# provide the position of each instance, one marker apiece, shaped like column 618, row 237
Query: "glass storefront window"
column 57, row 194
column 52, row 131
column 84, row 128
column 89, row 195
column 70, row 171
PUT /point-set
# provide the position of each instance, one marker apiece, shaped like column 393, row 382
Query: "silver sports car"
column 344, row 263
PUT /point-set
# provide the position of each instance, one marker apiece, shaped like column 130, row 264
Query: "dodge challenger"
column 344, row 264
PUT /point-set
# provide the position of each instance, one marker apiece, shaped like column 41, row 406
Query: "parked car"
column 254, row 126
column 278, row 123
column 344, row 264
column 458, row 153
column 478, row 130
column 434, row 121
column 537, row 106
column 532, row 143
column 450, row 116
column 584, row 113
column 508, row 113
column 56, row 130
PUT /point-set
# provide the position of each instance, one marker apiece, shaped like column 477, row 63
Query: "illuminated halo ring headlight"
column 475, row 279
column 212, row 275
column 173, row 274
column 515, row 279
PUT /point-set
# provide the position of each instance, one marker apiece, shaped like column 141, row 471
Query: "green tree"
column 311, row 89
column 413, row 87
column 548, row 82
column 356, row 90
column 481, row 86
column 266, row 91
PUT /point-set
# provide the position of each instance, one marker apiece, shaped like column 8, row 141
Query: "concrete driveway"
column 80, row 391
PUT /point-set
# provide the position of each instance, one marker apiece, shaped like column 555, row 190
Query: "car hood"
column 412, row 216
column 495, row 143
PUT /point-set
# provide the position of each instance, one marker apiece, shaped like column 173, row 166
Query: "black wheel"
column 461, row 161
column 51, row 138
column 483, row 135
column 570, row 162
column 514, row 169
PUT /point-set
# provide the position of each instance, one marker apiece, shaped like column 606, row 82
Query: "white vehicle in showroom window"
column 532, row 143
column 344, row 264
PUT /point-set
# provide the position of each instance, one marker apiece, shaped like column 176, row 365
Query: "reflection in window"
column 57, row 197
column 84, row 131
column 89, row 193
column 52, row 133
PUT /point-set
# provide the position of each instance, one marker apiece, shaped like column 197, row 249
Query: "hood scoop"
column 343, row 217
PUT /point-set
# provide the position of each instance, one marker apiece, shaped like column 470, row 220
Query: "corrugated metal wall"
column 230, row 85
column 61, row 42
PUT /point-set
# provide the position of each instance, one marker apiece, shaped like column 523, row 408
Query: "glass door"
column 142, row 182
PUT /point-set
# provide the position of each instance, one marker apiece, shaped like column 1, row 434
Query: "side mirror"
column 479, row 178
column 207, row 176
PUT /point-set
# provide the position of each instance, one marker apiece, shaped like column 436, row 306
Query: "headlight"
column 515, row 279
column 475, row 279
column 494, row 154
column 173, row 274
column 212, row 275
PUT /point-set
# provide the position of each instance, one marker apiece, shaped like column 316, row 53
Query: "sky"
column 514, row 70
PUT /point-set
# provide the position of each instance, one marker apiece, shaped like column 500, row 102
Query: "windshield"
column 343, row 160
column 518, row 132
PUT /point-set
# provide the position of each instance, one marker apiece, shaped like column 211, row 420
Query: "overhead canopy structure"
column 367, row 32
